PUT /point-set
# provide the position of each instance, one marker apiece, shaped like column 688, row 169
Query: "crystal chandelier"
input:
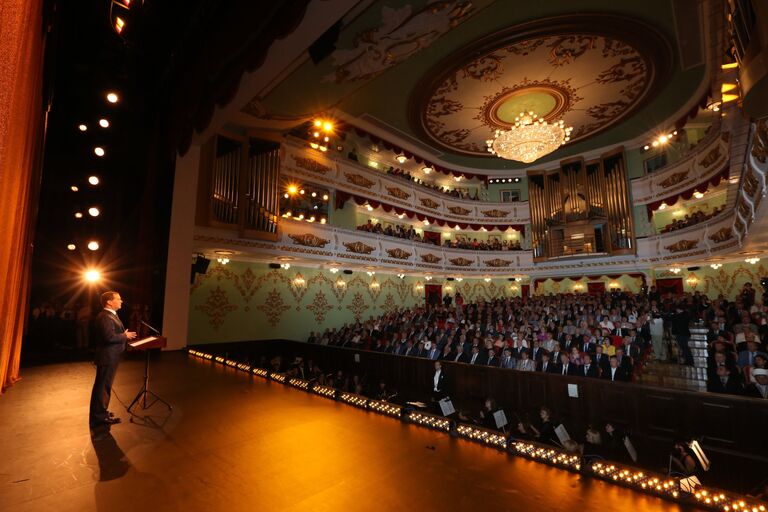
column 529, row 139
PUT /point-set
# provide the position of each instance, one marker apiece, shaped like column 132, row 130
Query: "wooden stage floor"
column 236, row 442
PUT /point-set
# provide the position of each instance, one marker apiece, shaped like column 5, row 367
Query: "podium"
column 146, row 344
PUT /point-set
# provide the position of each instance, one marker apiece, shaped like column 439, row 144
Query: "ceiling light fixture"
column 529, row 139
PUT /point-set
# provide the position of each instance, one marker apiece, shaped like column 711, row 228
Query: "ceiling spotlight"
column 103, row 123
column 333, row 270
column 716, row 265
column 325, row 197
column 222, row 260
column 459, row 279
column 401, row 159
column 112, row 97
column 698, row 195
column 655, row 143
column 663, row 139
column 646, row 147
column 285, row 266
column 82, row 127
column 292, row 189
column 487, row 279
column 428, row 278
column 426, row 169
column 78, row 215
column 752, row 261
column 314, row 194
column 301, row 192
column 318, row 123
column 327, row 126
column 74, row 188
column 323, row 220
column 99, row 151
column 286, row 195
column 93, row 211
column 92, row 275
column 517, row 180
column 675, row 270
column 93, row 245
column 93, row 180
column 401, row 276
column 71, row 247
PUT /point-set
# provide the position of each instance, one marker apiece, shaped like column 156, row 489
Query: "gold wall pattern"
column 216, row 307
column 273, row 307
column 389, row 304
column 358, row 306
column 319, row 307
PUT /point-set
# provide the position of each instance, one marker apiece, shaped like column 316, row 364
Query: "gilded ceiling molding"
column 359, row 247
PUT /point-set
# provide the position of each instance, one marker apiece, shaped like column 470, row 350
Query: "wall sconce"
column 428, row 278
column 487, row 279
column 578, row 287
column 298, row 281
column 340, row 283
column 285, row 266
column 514, row 288
column 333, row 270
column 419, row 287
column 692, row 281
column 371, row 273
column 448, row 288
column 374, row 285
column 613, row 284
column 459, row 279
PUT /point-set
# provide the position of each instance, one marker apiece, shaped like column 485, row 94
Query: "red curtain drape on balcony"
column 596, row 288
column 673, row 285
column 687, row 194
column 21, row 128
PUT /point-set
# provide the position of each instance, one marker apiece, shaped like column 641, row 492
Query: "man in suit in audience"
column 566, row 367
column 112, row 337
column 433, row 353
column 507, row 361
column 460, row 356
column 493, row 359
column 477, row 357
column 589, row 368
column 601, row 359
column 536, row 351
column 615, row 373
column 545, row 365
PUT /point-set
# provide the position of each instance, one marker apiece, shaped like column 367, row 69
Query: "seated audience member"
column 759, row 388
column 565, row 367
column 545, row 433
column 507, row 361
column 747, row 357
column 486, row 414
column 525, row 364
column 589, row 369
column 545, row 365
column 614, row 372
column 575, row 357
column 601, row 359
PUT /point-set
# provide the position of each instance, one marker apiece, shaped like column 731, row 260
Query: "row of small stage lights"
column 640, row 481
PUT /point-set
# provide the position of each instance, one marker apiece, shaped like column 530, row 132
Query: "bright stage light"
column 103, row 123
column 92, row 275
column 93, row 180
column 82, row 127
column 93, row 211
column 78, row 215
column 93, row 245
column 112, row 97
column 99, row 151
column 71, row 247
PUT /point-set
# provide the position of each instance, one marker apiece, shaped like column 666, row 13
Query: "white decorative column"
column 180, row 247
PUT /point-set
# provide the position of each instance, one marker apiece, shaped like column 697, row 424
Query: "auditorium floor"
column 235, row 442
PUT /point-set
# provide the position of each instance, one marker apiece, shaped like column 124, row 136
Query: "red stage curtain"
column 21, row 128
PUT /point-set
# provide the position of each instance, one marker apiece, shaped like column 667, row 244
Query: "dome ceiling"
column 439, row 77
column 591, row 80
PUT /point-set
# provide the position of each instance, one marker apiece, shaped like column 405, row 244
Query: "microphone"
column 145, row 324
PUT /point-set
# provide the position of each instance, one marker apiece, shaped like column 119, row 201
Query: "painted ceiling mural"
column 590, row 81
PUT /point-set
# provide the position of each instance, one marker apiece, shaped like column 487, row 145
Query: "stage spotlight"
column 78, row 215
column 103, row 123
column 92, row 275
column 82, row 127
column 112, row 97
column 93, row 245
column 99, row 151
column 93, row 211
column 74, row 188
column 93, row 180
column 71, row 247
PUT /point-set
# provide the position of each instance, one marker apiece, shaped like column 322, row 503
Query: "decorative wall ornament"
column 711, row 157
column 320, row 280
column 389, row 305
column 461, row 262
column 430, row 258
column 682, row 245
column 401, row 34
column 497, row 262
column 273, row 307
column 674, row 179
column 216, row 307
column 357, row 306
column 319, row 307
column 398, row 253
column 495, row 214
column 360, row 181
column 458, row 210
column 359, row 247
column 310, row 165
column 245, row 285
column 429, row 203
column 721, row 235
column 398, row 193
column 309, row 240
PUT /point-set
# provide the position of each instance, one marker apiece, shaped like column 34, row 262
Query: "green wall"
column 494, row 189
column 624, row 282
column 683, row 207
column 728, row 280
column 249, row 301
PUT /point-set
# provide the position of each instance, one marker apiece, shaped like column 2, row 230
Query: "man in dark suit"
column 438, row 382
column 588, row 369
column 615, row 373
column 460, row 356
column 566, row 367
column 111, row 338
column 601, row 359
column 545, row 365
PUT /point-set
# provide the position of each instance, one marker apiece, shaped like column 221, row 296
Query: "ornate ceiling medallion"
column 591, row 71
